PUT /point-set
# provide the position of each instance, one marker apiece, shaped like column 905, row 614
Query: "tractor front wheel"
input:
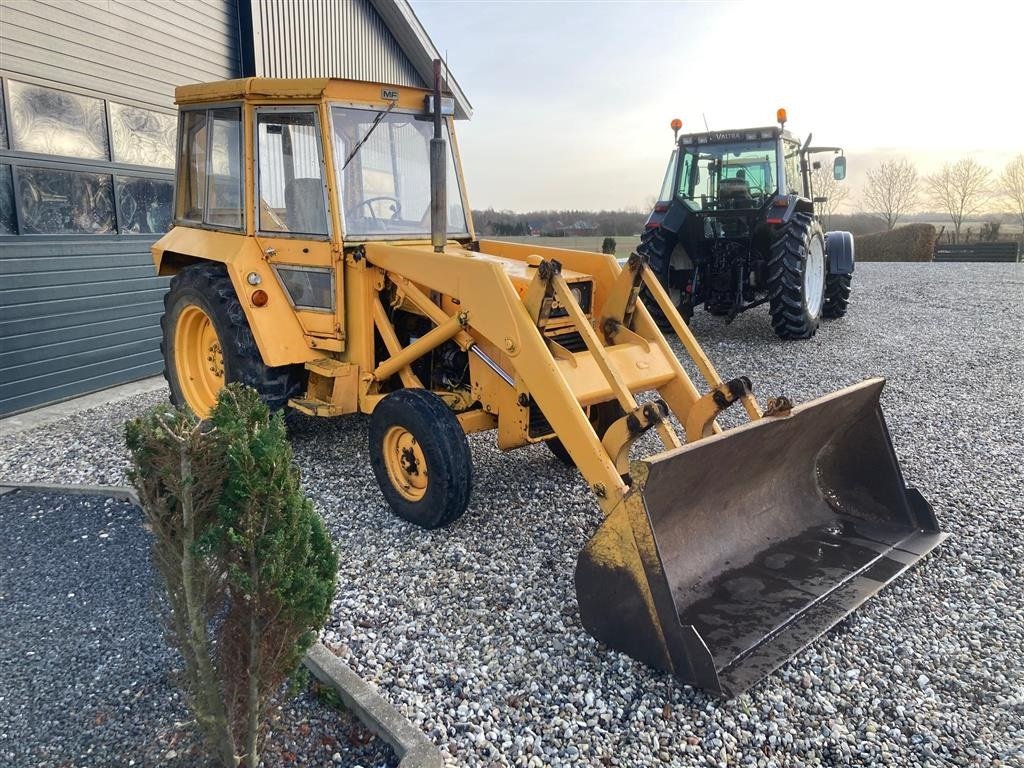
column 207, row 343
column 796, row 277
column 420, row 457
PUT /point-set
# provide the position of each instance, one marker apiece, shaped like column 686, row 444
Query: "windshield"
column 724, row 176
column 385, row 187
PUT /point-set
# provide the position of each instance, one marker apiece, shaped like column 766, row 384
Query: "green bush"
column 246, row 562
column 608, row 245
column 914, row 242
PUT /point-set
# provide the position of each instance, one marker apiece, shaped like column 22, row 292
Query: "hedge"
column 913, row 242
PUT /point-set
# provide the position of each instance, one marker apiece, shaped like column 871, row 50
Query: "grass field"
column 624, row 244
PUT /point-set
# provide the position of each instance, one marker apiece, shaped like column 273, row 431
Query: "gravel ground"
column 84, row 670
column 473, row 631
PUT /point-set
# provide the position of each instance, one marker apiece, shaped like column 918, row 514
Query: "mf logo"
column 389, row 94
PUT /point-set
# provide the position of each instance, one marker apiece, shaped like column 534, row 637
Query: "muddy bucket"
column 731, row 554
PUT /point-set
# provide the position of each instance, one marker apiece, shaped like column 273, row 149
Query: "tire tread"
column 785, row 278
column 242, row 359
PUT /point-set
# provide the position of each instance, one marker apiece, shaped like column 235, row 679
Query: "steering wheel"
column 368, row 204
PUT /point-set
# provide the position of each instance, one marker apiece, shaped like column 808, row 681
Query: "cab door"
column 292, row 223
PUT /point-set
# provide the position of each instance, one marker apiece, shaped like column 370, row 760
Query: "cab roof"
column 264, row 89
column 736, row 135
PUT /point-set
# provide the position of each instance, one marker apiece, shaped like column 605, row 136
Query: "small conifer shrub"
column 246, row 562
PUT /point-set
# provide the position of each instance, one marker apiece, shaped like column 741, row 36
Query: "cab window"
column 210, row 156
column 382, row 162
column 794, row 184
column 290, row 167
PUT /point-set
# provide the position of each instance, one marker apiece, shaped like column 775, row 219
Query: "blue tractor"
column 736, row 226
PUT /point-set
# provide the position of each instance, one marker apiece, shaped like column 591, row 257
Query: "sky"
column 572, row 100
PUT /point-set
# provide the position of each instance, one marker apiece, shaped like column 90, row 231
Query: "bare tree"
column 891, row 191
column 960, row 189
column 824, row 184
column 1012, row 188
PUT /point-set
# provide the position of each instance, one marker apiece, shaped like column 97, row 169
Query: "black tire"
column 436, row 431
column 657, row 246
column 837, row 296
column 209, row 287
column 793, row 312
column 602, row 416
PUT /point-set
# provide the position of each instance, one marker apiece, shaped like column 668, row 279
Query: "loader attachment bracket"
column 621, row 302
column 616, row 332
column 621, row 435
column 701, row 418
column 540, row 296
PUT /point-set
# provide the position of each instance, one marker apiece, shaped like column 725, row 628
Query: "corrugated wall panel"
column 138, row 50
column 318, row 38
column 71, row 327
column 81, row 313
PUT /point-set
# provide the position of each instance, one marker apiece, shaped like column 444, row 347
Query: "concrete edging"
column 413, row 748
column 121, row 493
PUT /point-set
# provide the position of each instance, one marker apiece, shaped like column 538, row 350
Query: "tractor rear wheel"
column 796, row 277
column 420, row 457
column 207, row 343
column 837, row 296
column 657, row 247
column 602, row 416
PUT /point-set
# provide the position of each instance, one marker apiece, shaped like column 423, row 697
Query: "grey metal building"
column 87, row 149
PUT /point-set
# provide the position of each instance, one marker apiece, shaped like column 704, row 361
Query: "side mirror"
column 839, row 168
column 816, row 164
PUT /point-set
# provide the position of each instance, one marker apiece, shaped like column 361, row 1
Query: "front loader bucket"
column 731, row 554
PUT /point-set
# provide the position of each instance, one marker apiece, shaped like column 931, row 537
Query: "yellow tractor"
column 323, row 253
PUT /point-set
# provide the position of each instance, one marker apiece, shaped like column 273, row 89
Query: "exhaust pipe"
column 438, row 168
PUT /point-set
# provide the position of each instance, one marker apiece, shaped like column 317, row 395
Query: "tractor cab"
column 734, row 170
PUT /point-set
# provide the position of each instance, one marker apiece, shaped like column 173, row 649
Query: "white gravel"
column 473, row 631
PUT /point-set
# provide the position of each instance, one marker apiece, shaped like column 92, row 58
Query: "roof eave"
column 414, row 40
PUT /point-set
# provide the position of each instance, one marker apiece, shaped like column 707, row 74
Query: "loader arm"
column 626, row 357
column 497, row 318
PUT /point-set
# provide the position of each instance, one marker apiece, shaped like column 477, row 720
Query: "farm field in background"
column 624, row 244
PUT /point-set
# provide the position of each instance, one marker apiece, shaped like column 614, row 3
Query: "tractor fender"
column 674, row 217
column 278, row 334
column 839, row 250
column 784, row 206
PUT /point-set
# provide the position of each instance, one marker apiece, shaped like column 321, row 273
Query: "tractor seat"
column 734, row 193
column 304, row 203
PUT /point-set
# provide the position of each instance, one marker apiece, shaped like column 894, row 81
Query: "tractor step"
column 332, row 389
column 313, row 407
column 328, row 367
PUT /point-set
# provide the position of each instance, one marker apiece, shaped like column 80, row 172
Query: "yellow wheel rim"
column 407, row 468
column 198, row 360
